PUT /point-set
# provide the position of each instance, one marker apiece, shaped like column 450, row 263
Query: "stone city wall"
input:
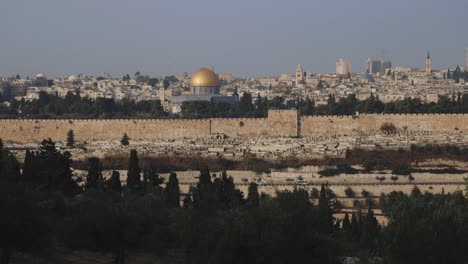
column 240, row 127
column 280, row 123
column 23, row 131
column 371, row 123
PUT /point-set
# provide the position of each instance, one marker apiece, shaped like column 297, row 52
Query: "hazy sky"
column 245, row 37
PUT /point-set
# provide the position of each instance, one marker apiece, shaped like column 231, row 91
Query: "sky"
column 244, row 37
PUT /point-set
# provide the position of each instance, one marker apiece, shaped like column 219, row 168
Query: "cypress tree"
column 253, row 198
column 326, row 213
column 259, row 106
column 94, row 178
column 172, row 191
column 28, row 167
column 114, row 182
column 355, row 229
column 203, row 194
column 70, row 138
column 133, row 174
column 347, row 226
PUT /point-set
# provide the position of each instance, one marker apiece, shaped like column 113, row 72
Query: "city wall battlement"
column 279, row 123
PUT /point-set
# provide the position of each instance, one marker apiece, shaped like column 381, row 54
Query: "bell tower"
column 428, row 64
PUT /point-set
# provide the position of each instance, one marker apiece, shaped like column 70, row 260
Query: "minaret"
column 299, row 74
column 428, row 64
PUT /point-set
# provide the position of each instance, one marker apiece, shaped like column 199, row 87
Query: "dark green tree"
column 114, row 183
column 172, row 191
column 70, row 138
column 347, row 226
column 253, row 197
column 133, row 174
column 125, row 140
column 94, row 178
column 152, row 181
column 325, row 210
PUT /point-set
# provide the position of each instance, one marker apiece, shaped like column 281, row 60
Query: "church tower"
column 428, row 64
column 299, row 75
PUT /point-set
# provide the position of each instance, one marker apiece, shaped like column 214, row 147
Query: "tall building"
column 378, row 66
column 428, row 64
column 343, row 67
column 299, row 74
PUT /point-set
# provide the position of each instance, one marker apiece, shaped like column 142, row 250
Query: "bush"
column 357, row 204
column 346, row 168
column 420, row 149
column 369, row 202
column 402, row 170
column 388, row 128
column 314, row 193
column 436, row 150
column 329, row 172
column 125, row 140
column 464, row 151
column 365, row 193
column 454, row 150
column 370, row 165
column 428, row 148
column 349, row 192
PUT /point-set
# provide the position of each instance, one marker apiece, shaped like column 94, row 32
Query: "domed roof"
column 40, row 75
column 204, row 77
column 73, row 78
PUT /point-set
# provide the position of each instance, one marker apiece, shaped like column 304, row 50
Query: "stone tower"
column 428, row 64
column 299, row 75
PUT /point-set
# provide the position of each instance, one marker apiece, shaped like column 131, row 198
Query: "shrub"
column 314, row 193
column 365, row 193
column 464, row 151
column 369, row 202
column 402, row 170
column 428, row 148
column 454, row 150
column 329, row 172
column 370, row 165
column 125, row 140
column 436, row 150
column 388, row 128
column 357, row 204
column 349, row 192
column 420, row 149
column 346, row 168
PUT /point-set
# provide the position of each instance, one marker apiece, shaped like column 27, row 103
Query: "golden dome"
column 204, row 77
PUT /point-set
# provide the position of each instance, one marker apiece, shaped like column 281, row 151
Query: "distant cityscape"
column 381, row 78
